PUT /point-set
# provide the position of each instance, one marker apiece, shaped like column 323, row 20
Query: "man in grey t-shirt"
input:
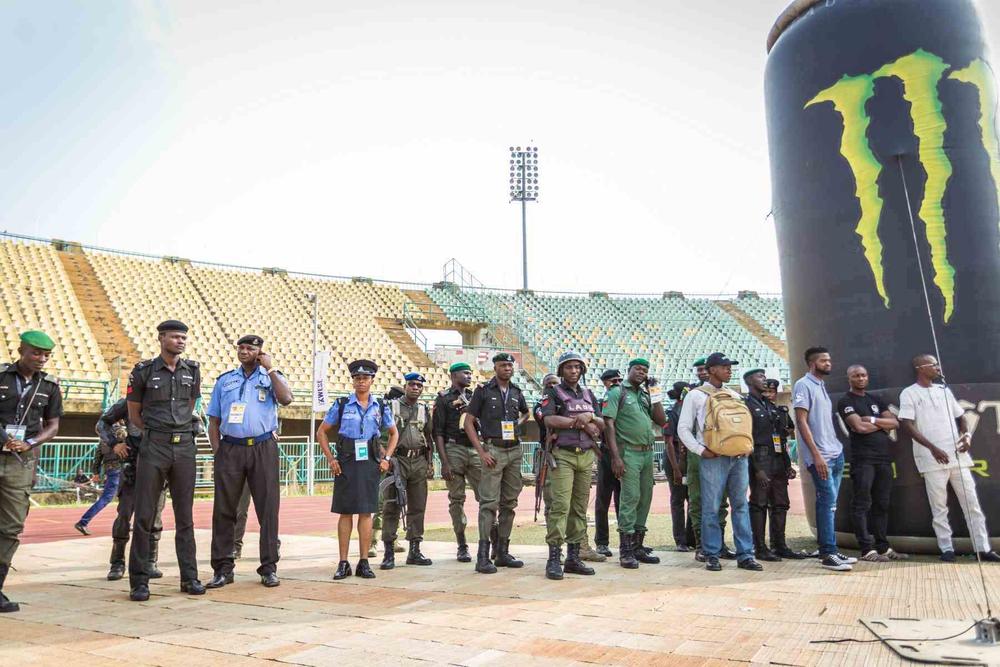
column 822, row 452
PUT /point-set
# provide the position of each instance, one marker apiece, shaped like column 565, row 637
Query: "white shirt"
column 691, row 423
column 933, row 410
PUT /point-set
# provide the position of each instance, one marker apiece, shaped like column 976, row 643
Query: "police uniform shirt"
column 166, row 396
column 411, row 435
column 360, row 423
column 492, row 406
column 448, row 418
column 15, row 392
column 244, row 404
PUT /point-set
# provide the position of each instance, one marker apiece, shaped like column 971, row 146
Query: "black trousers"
column 161, row 461
column 237, row 466
column 126, row 508
column 608, row 489
column 679, row 517
column 771, row 499
column 242, row 512
column 872, row 484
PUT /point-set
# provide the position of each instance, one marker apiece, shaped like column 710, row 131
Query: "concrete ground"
column 674, row 613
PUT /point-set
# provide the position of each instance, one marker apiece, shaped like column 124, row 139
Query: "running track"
column 300, row 515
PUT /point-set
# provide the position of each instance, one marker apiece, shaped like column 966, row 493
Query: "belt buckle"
column 175, row 438
column 250, row 442
column 578, row 450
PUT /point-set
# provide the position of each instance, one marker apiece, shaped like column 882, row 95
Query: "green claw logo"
column 920, row 73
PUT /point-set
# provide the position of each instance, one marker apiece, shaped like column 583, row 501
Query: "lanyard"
column 503, row 399
column 243, row 387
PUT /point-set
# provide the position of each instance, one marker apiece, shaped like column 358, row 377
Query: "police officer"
column 459, row 462
column 550, row 380
column 242, row 421
column 676, row 469
column 784, row 427
column 630, row 411
column 108, row 457
column 413, row 461
column 356, row 464
column 500, row 407
column 395, row 391
column 608, row 486
column 121, row 439
column 30, row 408
column 161, row 396
column 572, row 413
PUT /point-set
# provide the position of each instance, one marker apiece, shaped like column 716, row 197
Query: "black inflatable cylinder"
column 880, row 112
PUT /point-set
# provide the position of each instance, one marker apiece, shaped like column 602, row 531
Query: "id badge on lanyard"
column 655, row 394
column 236, row 411
column 776, row 441
column 360, row 451
column 16, row 431
column 507, row 429
column 261, row 394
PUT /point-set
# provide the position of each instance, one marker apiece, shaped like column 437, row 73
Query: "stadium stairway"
column 107, row 327
column 398, row 335
column 756, row 328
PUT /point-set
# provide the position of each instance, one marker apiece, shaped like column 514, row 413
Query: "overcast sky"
column 371, row 138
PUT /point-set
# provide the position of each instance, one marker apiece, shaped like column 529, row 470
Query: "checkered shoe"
column 874, row 557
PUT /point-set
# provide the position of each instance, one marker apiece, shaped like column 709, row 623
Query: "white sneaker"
column 831, row 562
column 895, row 555
column 875, row 557
column 850, row 560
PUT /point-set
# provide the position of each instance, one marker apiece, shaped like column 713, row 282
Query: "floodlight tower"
column 524, row 188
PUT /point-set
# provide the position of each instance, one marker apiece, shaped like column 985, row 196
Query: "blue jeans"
column 725, row 475
column 110, row 491
column 827, row 491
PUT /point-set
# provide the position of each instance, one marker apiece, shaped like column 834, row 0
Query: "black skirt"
column 355, row 489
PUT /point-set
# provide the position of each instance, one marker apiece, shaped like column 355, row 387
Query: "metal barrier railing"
column 60, row 459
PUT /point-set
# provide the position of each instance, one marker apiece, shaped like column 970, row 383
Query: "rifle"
column 395, row 480
column 547, row 461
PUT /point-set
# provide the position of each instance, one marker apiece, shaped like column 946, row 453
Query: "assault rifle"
column 547, row 462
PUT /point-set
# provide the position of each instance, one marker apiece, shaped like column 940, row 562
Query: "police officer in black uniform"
column 608, row 486
column 770, row 469
column 109, row 430
column 161, row 395
column 30, row 408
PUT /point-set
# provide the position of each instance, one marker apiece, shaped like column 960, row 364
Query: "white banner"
column 321, row 400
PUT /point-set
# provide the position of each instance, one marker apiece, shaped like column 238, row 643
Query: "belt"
column 456, row 442
column 175, row 436
column 503, row 444
column 248, row 442
column 411, row 453
column 639, row 448
column 574, row 449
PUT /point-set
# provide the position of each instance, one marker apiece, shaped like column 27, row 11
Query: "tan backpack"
column 728, row 424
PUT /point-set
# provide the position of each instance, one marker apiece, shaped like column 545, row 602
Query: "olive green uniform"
column 633, row 424
column 413, row 455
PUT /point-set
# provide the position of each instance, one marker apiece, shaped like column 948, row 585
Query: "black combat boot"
column 6, row 606
column 117, row 570
column 553, row 570
column 642, row 553
column 758, row 521
column 415, row 557
column 573, row 563
column 504, row 559
column 154, row 555
column 778, row 538
column 388, row 556
column 625, row 556
column 494, row 541
column 462, row 556
column 483, row 564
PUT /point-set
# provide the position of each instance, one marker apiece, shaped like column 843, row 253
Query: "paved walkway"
column 299, row 515
column 670, row 614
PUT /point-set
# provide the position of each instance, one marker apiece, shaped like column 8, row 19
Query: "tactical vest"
column 411, row 431
column 571, row 407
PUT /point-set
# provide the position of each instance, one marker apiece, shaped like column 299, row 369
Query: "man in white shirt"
column 720, row 475
column 934, row 420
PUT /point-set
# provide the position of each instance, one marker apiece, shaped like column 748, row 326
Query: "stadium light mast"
column 524, row 188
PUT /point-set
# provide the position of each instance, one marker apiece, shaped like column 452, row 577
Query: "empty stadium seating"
column 360, row 319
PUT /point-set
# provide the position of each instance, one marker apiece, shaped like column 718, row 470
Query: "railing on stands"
column 60, row 459
column 96, row 390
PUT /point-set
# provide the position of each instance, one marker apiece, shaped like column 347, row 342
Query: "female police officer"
column 358, row 461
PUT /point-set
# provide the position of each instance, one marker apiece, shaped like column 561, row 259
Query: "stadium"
column 797, row 478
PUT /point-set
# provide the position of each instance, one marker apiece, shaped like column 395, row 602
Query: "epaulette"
column 51, row 378
column 143, row 363
column 442, row 393
column 223, row 375
column 4, row 367
column 192, row 362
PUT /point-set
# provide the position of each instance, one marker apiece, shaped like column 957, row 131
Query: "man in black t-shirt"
column 869, row 421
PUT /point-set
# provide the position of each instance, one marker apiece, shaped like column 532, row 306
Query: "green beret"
column 503, row 356
column 752, row 371
column 459, row 366
column 638, row 361
column 699, row 362
column 36, row 338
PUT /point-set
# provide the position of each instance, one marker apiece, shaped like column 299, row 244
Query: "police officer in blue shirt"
column 357, row 422
column 242, row 420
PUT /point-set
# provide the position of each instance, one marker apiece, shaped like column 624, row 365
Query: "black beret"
column 503, row 356
column 772, row 383
column 611, row 374
column 172, row 325
column 362, row 367
column 251, row 339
